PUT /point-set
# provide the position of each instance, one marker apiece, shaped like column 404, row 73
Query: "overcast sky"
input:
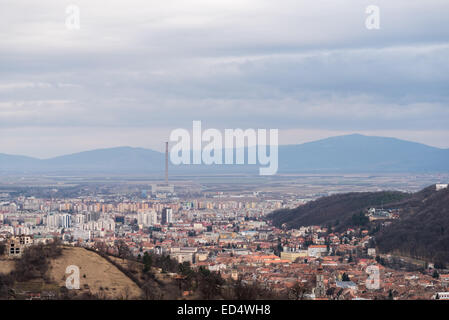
column 137, row 69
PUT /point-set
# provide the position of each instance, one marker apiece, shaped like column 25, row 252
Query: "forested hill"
column 423, row 229
column 336, row 210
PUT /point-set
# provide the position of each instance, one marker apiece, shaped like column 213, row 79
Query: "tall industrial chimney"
column 166, row 163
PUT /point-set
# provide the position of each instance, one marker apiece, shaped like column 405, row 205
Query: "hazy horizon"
column 163, row 146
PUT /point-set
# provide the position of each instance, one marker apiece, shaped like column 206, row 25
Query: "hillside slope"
column 422, row 231
column 97, row 275
column 336, row 210
column 99, row 278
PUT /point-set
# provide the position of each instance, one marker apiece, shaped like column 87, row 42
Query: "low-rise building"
column 316, row 250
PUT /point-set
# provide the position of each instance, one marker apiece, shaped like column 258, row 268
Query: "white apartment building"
column 441, row 186
column 147, row 218
column 316, row 250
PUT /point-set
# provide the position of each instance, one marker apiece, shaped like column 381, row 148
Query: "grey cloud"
column 284, row 64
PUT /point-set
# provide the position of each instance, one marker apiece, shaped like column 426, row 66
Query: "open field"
column 305, row 185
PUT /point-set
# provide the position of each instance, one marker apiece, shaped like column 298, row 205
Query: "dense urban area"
column 165, row 232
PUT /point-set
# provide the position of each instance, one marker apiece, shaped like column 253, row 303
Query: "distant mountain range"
column 346, row 154
column 359, row 153
column 112, row 160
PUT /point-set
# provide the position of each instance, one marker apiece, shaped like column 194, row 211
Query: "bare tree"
column 123, row 249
